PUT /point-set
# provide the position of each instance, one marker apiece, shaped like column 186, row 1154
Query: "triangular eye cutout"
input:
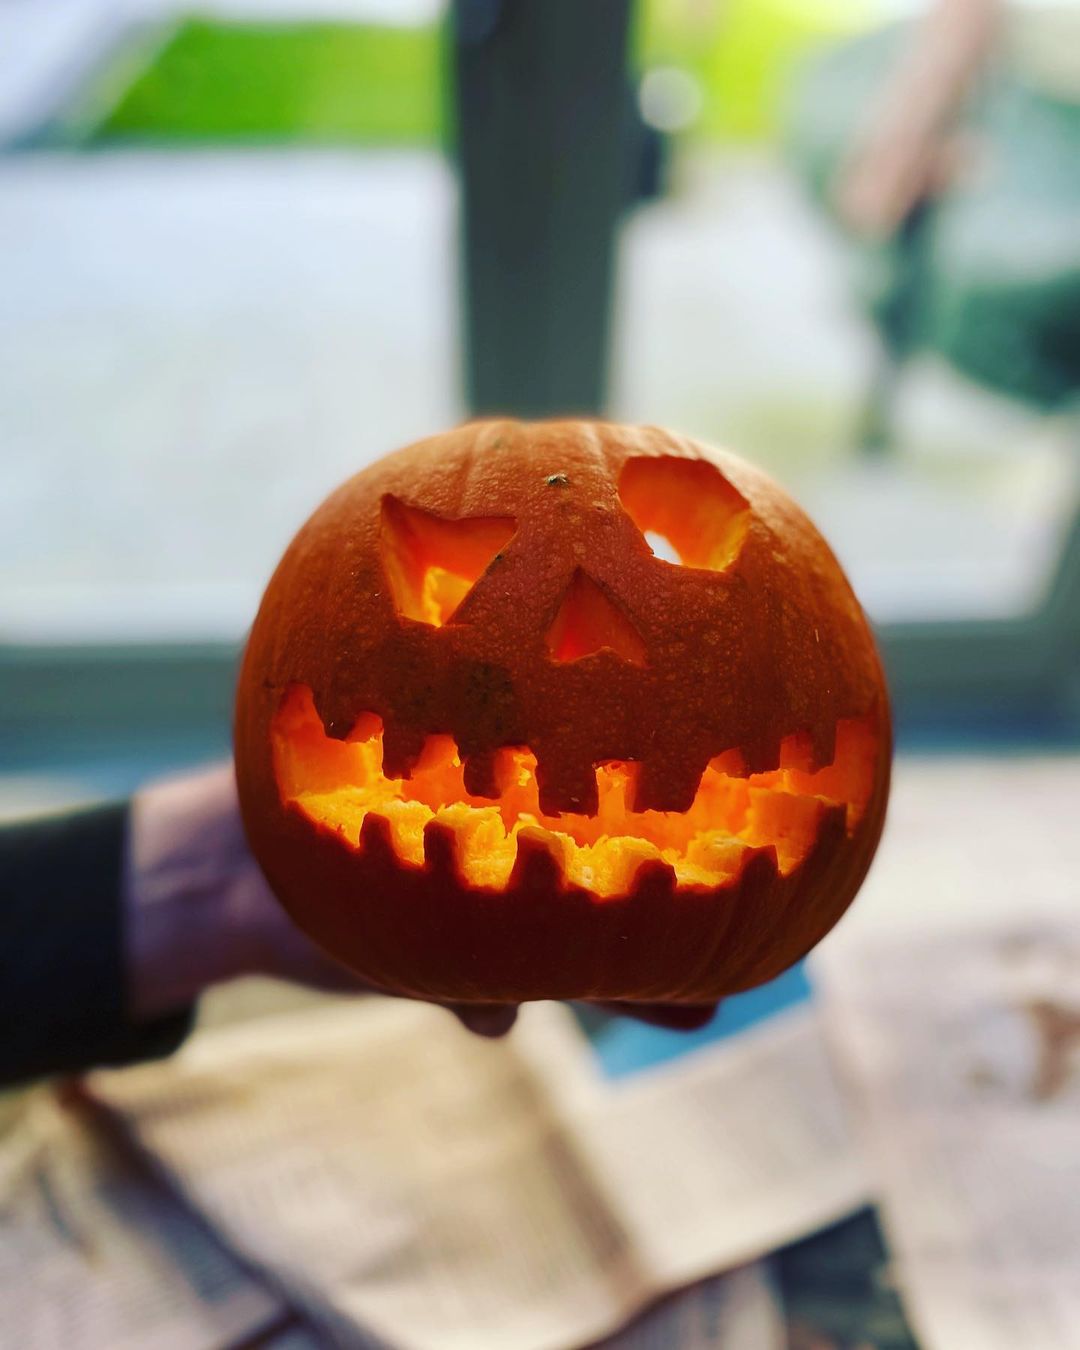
column 588, row 621
column 433, row 563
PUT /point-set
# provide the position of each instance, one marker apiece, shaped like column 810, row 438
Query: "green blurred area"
column 999, row 303
column 744, row 53
column 988, row 274
column 259, row 82
column 217, row 80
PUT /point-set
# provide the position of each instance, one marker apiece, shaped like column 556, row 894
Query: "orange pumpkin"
column 491, row 747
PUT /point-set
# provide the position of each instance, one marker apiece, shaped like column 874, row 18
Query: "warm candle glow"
column 337, row 783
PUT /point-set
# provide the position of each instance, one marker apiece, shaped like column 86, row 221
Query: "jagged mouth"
column 338, row 784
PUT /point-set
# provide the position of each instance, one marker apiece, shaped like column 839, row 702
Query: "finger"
column 672, row 1016
column 491, row 1020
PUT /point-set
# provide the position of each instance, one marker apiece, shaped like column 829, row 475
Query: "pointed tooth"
column 797, row 752
column 440, row 851
column 762, row 755
column 762, row 866
column 667, row 785
column 832, row 824
column 540, row 863
column 566, row 784
column 402, row 748
column 480, row 776
column 654, row 878
column 337, row 713
column 823, row 744
column 376, row 839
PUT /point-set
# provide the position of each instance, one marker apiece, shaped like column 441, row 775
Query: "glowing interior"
column 338, row 784
column 686, row 509
column 433, row 563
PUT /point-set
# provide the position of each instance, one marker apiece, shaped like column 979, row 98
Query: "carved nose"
column 588, row 621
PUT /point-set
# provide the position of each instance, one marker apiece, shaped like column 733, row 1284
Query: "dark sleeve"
column 62, row 977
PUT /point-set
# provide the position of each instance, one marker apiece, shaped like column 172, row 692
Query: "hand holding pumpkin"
column 200, row 913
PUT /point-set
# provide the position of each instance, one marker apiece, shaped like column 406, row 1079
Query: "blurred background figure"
column 908, row 148
column 955, row 150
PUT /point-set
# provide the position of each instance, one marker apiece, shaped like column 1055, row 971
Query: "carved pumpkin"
column 491, row 747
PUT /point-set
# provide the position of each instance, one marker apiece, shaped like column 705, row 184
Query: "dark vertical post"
column 542, row 104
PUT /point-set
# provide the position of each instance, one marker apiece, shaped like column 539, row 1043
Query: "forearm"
column 906, row 148
column 64, row 1002
column 948, row 49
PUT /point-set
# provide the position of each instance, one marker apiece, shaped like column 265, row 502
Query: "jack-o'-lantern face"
column 562, row 710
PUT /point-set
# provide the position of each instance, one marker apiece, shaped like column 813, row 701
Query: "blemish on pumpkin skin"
column 338, row 784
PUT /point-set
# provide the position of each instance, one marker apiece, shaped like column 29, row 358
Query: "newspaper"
column 969, row 840
column 739, row 1310
column 405, row 1183
column 963, row 1057
column 94, row 1252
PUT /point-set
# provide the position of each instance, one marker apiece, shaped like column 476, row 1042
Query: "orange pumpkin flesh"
column 491, row 748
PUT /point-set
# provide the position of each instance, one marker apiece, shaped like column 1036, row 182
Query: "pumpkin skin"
column 470, row 673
